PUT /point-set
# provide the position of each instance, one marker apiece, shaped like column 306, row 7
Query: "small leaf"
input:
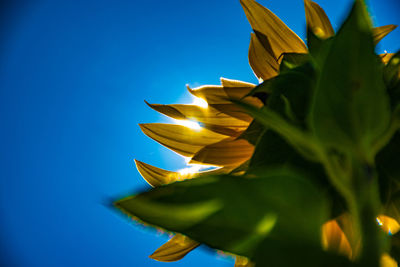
column 293, row 60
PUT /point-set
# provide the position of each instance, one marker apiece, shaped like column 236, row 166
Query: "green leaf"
column 389, row 174
column 318, row 48
column 388, row 158
column 350, row 108
column 236, row 214
column 302, row 141
column 395, row 248
column 282, row 254
column 293, row 60
column 291, row 92
column 272, row 151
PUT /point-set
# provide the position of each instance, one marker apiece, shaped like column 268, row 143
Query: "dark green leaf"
column 293, row 60
column 388, row 158
column 350, row 108
column 395, row 249
column 273, row 151
column 236, row 214
column 282, row 254
column 291, row 92
column 318, row 48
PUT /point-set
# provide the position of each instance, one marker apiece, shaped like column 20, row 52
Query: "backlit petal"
column 181, row 139
column 175, row 249
column 387, row 261
column 388, row 224
column 157, row 177
column 380, row 32
column 263, row 64
column 281, row 38
column 333, row 239
column 317, row 20
column 243, row 262
column 386, row 57
column 206, row 116
column 228, row 152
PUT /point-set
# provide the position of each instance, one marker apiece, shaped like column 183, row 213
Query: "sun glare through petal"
column 200, row 102
column 190, row 124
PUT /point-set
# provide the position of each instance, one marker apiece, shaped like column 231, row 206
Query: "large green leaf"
column 350, row 108
column 237, row 214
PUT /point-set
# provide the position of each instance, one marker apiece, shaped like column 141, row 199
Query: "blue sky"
column 73, row 77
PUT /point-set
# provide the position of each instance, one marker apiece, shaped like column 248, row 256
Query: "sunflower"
column 216, row 138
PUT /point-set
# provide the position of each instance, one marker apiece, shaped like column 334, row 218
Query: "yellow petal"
column 387, row 261
column 333, row 239
column 380, row 32
column 228, row 152
column 236, row 84
column 181, row 139
column 243, row 262
column 317, row 20
column 213, row 94
column 388, row 224
column 157, row 177
column 206, row 116
column 220, row 94
column 263, row 64
column 281, row 38
column 233, row 111
column 386, row 57
column 175, row 249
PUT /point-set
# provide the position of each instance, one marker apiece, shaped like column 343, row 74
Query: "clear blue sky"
column 73, row 77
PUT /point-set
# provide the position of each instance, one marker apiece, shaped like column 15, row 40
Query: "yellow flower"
column 206, row 132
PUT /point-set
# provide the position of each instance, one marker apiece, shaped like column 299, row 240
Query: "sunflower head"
column 296, row 170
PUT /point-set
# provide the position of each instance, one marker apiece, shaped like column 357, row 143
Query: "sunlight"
column 190, row 170
column 190, row 124
column 199, row 102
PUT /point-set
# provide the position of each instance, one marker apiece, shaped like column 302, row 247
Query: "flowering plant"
column 305, row 163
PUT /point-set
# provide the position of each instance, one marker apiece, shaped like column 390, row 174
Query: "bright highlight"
column 190, row 124
column 200, row 102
